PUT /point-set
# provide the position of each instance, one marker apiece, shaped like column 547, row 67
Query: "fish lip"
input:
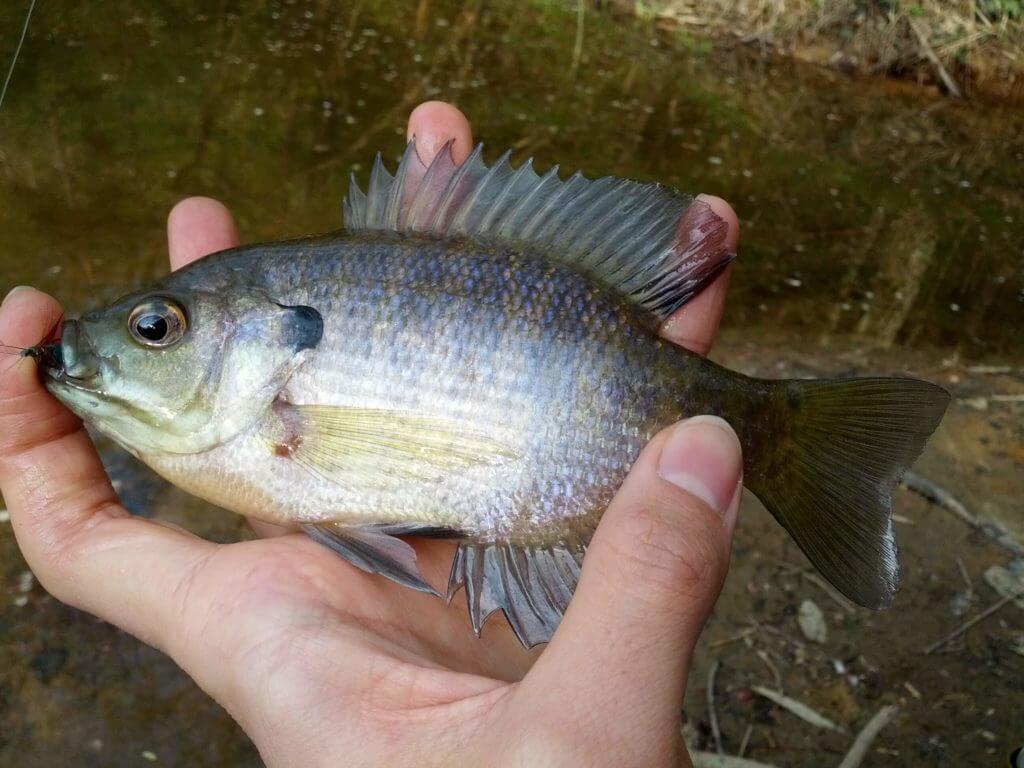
column 84, row 384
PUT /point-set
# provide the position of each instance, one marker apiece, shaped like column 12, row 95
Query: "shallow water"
column 877, row 219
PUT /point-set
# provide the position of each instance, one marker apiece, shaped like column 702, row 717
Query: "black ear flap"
column 303, row 327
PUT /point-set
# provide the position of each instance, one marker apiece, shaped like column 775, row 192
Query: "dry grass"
column 966, row 46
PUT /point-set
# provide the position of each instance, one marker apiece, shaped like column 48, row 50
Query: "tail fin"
column 837, row 449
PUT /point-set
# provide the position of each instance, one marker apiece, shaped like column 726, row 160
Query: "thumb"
column 651, row 575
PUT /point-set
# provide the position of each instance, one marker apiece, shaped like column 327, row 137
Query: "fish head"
column 179, row 371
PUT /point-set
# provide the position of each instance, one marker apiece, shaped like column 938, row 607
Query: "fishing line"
column 21, row 42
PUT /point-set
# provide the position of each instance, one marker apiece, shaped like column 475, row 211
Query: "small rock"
column 1008, row 581
column 5, row 516
column 812, row 622
column 977, row 403
column 150, row 756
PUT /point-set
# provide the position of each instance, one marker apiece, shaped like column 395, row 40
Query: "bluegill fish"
column 476, row 357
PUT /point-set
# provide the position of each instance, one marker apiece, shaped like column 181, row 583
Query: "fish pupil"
column 151, row 327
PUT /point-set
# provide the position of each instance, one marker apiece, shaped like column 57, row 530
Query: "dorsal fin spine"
column 567, row 190
column 492, row 173
column 394, row 205
column 449, row 192
column 496, row 217
column 419, row 202
column 505, row 228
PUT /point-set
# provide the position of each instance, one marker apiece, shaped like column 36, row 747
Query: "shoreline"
column 965, row 49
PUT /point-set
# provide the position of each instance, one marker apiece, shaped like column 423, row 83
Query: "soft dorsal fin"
column 651, row 244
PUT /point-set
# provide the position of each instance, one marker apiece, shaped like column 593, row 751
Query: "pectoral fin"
column 373, row 551
column 371, row 446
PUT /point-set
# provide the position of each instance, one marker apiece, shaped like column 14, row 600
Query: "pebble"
column 812, row 622
column 5, row 516
column 151, row 756
column 977, row 403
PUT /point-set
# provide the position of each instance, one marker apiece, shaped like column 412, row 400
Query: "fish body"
column 478, row 358
column 554, row 377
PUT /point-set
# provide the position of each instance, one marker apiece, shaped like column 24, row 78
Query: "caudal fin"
column 827, row 472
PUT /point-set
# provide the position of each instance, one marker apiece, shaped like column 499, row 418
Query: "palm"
column 294, row 589
column 288, row 617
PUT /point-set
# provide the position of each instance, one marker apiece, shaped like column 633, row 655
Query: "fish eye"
column 157, row 322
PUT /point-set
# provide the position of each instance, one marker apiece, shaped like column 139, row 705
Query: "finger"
column 81, row 544
column 650, row 578
column 197, row 227
column 433, row 124
column 694, row 325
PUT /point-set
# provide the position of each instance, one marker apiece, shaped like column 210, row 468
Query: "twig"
column 776, row 675
column 577, row 49
column 965, row 575
column 926, row 47
column 943, row 498
column 716, row 732
column 1007, row 398
column 989, row 369
column 711, row 760
column 17, row 51
column 861, row 745
column 980, row 617
column 734, row 639
column 746, row 741
column 797, row 708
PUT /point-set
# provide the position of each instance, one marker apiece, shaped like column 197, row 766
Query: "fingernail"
column 15, row 290
column 702, row 456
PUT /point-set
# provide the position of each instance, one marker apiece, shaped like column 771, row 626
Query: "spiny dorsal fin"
column 652, row 244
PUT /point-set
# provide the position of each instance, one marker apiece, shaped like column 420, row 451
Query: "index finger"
column 197, row 227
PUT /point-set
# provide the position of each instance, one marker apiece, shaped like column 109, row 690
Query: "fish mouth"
column 71, row 360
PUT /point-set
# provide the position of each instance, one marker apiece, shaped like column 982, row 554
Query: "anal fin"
column 372, row 549
column 532, row 586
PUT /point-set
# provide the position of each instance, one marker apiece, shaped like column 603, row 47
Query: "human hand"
column 318, row 660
